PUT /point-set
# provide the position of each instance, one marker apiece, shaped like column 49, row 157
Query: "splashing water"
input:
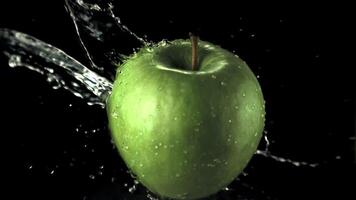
column 98, row 22
column 266, row 153
column 59, row 68
column 63, row 71
column 70, row 11
column 85, row 14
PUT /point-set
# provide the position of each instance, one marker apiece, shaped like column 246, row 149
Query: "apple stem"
column 194, row 41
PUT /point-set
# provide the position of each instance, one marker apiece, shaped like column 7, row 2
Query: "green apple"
column 185, row 134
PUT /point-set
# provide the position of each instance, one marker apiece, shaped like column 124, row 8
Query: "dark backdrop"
column 301, row 54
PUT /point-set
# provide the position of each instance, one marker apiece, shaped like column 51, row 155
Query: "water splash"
column 266, row 153
column 125, row 28
column 27, row 51
column 63, row 71
column 24, row 50
column 60, row 69
column 97, row 26
column 71, row 13
column 286, row 160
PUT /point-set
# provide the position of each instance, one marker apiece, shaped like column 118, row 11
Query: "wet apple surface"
column 184, row 133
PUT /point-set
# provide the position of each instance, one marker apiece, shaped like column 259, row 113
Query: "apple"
column 185, row 133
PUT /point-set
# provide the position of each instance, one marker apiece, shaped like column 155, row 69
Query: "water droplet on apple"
column 243, row 94
column 141, row 165
column 210, row 165
column 175, row 118
column 222, row 83
column 256, row 134
column 163, row 43
column 235, row 142
column 160, row 144
column 177, row 175
column 156, row 147
column 230, row 121
column 185, row 152
column 165, row 146
column 196, row 129
column 156, row 154
column 236, row 107
column 213, row 76
column 253, row 107
column 239, row 66
column 185, row 161
column 226, row 163
column 115, row 115
column 126, row 147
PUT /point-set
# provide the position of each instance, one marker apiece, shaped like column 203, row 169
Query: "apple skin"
column 185, row 134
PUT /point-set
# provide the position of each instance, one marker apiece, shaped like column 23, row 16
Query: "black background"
column 301, row 54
